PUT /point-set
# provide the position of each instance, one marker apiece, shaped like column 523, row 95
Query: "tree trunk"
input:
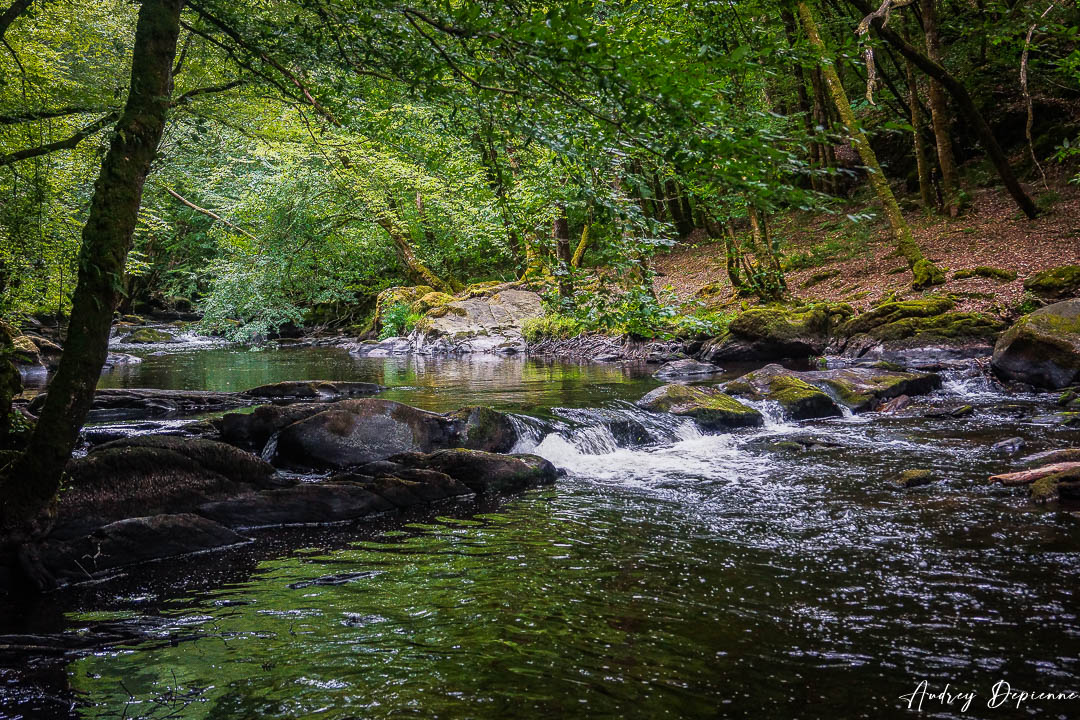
column 922, row 159
column 966, row 105
column 925, row 272
column 560, row 231
column 33, row 481
column 939, row 114
column 416, row 270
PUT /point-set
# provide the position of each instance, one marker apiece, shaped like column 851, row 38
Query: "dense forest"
column 590, row 358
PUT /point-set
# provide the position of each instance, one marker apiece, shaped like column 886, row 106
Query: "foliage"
column 399, row 320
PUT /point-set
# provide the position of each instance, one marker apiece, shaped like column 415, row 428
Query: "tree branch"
column 65, row 144
column 186, row 97
column 210, row 214
column 48, row 114
column 14, row 10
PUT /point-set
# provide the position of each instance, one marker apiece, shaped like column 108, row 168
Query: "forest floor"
column 833, row 258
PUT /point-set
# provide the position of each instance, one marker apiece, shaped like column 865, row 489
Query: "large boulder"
column 353, row 432
column 1043, row 348
column 151, row 475
column 481, row 428
column 130, row 541
column 710, row 408
column 479, row 324
column 483, row 472
column 252, row 430
column 776, row 332
column 798, row 399
column 1057, row 283
column 890, row 330
column 866, row 388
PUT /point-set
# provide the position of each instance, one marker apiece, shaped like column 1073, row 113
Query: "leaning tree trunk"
column 965, row 104
column 925, row 272
column 30, row 486
column 939, row 114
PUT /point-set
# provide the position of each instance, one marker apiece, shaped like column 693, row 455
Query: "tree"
column 34, row 479
column 925, row 273
column 939, row 112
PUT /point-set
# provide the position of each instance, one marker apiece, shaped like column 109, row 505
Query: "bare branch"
column 65, row 144
column 48, row 114
column 209, row 213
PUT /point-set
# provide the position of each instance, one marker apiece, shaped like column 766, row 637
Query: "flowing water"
column 671, row 574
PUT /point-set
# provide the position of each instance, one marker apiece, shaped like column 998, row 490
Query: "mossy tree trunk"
column 415, row 269
column 31, row 484
column 925, row 272
column 939, row 114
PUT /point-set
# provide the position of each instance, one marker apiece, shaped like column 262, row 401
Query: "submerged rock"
column 709, row 407
column 1043, row 348
column 912, row 479
column 303, row 504
column 798, row 399
column 687, row 367
column 1008, row 446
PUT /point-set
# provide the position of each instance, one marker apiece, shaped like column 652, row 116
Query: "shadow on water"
column 768, row 573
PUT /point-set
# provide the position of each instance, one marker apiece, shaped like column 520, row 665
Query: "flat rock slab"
column 688, row 368
column 309, row 503
column 131, row 541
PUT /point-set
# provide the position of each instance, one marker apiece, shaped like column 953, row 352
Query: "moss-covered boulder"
column 482, row 428
column 924, row 322
column 1043, row 348
column 1057, row 283
column 926, row 274
column 865, row 388
column 388, row 298
column 709, row 407
column 148, row 336
column 775, row 332
column 912, row 479
column 798, row 399
column 432, row 301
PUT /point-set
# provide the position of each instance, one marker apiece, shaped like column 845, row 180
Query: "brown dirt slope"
column 990, row 233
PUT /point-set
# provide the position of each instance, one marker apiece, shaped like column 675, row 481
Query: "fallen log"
column 1026, row 477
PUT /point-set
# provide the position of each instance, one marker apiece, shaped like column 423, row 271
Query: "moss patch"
column 708, row 406
column 146, row 336
column 1055, row 283
column 984, row 271
column 926, row 274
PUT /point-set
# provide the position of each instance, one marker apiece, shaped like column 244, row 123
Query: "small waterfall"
column 270, row 449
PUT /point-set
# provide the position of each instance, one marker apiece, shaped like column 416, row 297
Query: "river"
column 770, row 573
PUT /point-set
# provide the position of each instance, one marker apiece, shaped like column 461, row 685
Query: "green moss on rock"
column 798, row 399
column 709, row 407
column 913, row 479
column 926, row 274
column 1055, row 283
column 985, row 271
column 1042, row 348
column 146, row 336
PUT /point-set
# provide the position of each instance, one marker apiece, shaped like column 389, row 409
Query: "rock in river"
column 1043, row 348
column 709, row 407
column 687, row 367
column 799, row 399
column 353, row 432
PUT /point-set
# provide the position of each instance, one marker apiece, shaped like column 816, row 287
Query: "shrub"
column 550, row 326
column 399, row 320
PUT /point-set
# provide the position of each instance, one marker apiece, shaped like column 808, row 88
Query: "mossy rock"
column 926, row 274
column 798, row 399
column 861, row 389
column 132, row 319
column 913, row 479
column 778, row 331
column 486, row 429
column 984, row 271
column 482, row 289
column 922, row 321
column 1042, row 348
column 24, row 351
column 147, row 336
column 709, row 407
column 431, row 301
column 1056, row 283
column 401, row 295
